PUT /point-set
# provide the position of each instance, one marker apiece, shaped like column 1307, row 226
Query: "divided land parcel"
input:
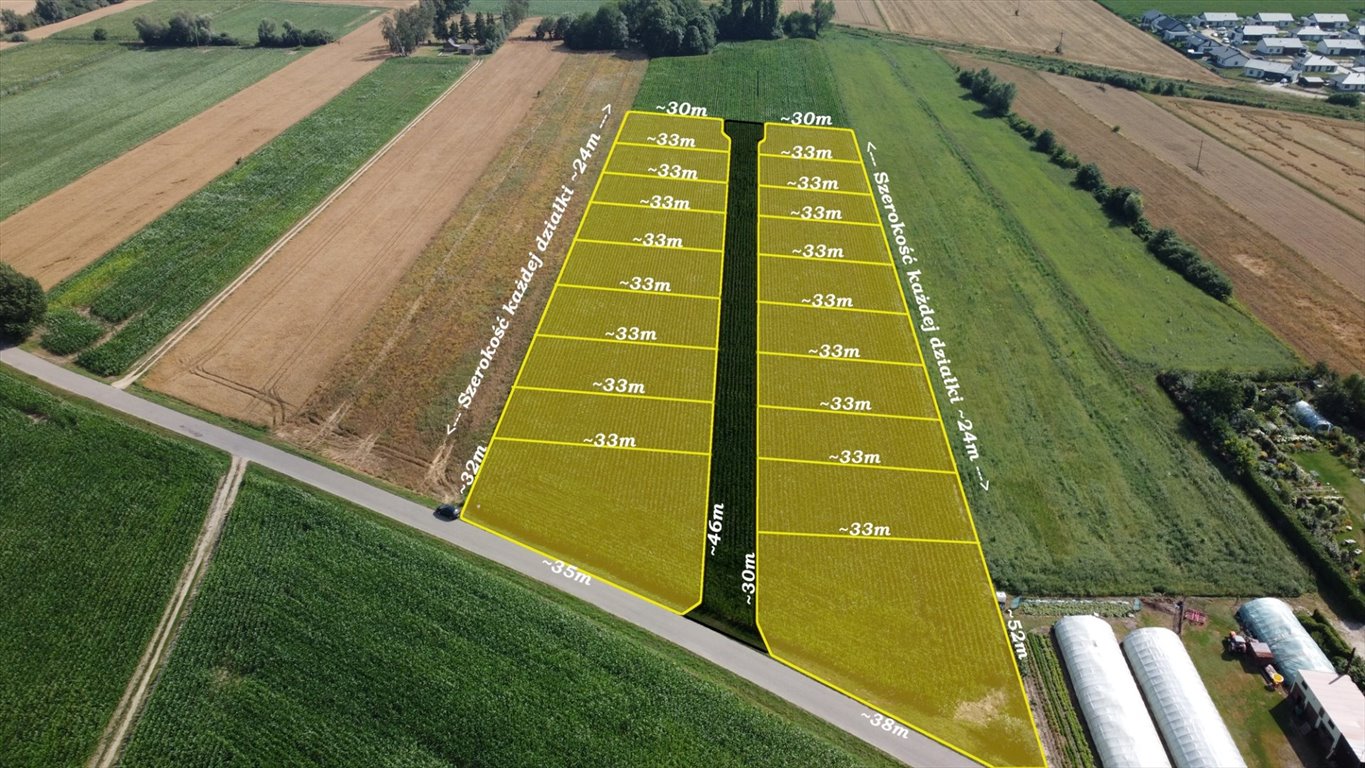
column 97, row 519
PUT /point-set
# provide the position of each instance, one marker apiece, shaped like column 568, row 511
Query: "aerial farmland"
column 677, row 382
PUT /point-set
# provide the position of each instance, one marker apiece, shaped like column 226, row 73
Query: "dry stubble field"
column 1326, row 156
column 383, row 409
column 858, row 13
column 1310, row 311
column 1323, row 234
column 260, row 354
column 55, row 237
column 1088, row 32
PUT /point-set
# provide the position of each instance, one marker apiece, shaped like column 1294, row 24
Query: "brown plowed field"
column 258, row 356
column 56, row 236
column 1326, row 156
column 1328, row 237
column 1088, row 32
column 858, row 13
column 384, row 407
column 1313, row 313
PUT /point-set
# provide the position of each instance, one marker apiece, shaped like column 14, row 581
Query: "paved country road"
column 734, row 656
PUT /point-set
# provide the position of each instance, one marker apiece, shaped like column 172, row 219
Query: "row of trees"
column 291, row 37
column 409, row 28
column 180, row 31
column 683, row 27
column 996, row 94
column 48, row 12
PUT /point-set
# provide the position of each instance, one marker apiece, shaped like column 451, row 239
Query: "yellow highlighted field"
column 900, row 623
column 630, row 317
column 585, row 366
column 646, row 270
column 581, row 418
column 854, row 286
column 667, row 194
column 661, row 162
column 811, row 174
column 853, row 443
column 782, row 201
column 855, row 390
column 601, row 457
column 846, row 336
column 653, row 228
column 633, row 518
column 809, row 141
column 784, row 236
column 808, row 498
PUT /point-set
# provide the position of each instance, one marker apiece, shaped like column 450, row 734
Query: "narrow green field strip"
column 238, row 18
column 58, row 130
column 324, row 635
column 97, row 519
column 156, row 279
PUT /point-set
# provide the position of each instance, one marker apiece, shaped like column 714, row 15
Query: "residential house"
column 1331, row 705
column 1280, row 46
column 1254, row 32
column 1216, row 19
column 1172, row 29
column 1149, row 18
column 1358, row 32
column 1280, row 20
column 1266, row 70
column 1314, row 63
column 1341, row 46
column 1199, row 44
column 1327, row 20
column 1228, row 57
column 1350, row 81
column 1312, row 34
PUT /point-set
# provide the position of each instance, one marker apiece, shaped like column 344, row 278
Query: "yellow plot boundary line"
column 869, row 538
column 961, row 489
column 815, row 191
column 642, row 245
column 571, row 444
column 657, row 177
column 660, row 294
column 497, row 427
column 664, row 210
column 680, row 149
column 627, row 341
column 819, row 221
column 762, row 407
column 805, row 159
column 529, row 388
column 816, row 260
column 799, row 305
column 839, row 359
column 882, row 467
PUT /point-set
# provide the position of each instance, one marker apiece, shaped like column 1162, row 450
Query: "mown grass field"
column 157, row 278
column 235, row 17
column 1056, row 324
column 96, row 521
column 1130, row 9
column 322, row 635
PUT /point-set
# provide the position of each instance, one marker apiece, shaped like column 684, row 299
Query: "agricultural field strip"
column 664, row 259
column 799, row 630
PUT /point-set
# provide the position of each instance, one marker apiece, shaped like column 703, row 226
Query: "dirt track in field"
column 1328, row 237
column 47, row 30
column 58, row 235
column 384, row 407
column 858, row 13
column 1326, row 156
column 260, row 354
column 1087, row 31
column 1313, row 313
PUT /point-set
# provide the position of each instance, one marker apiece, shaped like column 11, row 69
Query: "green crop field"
column 96, row 521
column 31, row 65
column 1055, row 324
column 1130, row 9
column 158, row 277
column 322, row 635
column 235, row 17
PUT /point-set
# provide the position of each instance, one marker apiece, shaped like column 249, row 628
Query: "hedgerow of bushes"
column 1122, row 204
column 290, row 37
column 1337, row 649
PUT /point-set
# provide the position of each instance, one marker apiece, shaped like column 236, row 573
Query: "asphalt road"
column 777, row 678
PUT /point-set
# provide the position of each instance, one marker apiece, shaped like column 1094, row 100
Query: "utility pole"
column 1200, row 157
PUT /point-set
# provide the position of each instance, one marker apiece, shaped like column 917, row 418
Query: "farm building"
column 1216, row 19
column 1341, row 46
column 1199, row 45
column 1120, row 727
column 1315, row 63
column 1227, row 57
column 1328, row 20
column 1272, row 621
column 1274, row 19
column 1350, row 81
column 1312, row 34
column 1280, row 46
column 1194, row 732
column 1252, row 33
column 1266, row 70
column 1334, row 708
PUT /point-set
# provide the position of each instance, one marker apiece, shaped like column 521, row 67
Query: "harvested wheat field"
column 385, row 407
column 258, row 355
column 1328, row 237
column 1087, row 32
column 1326, row 156
column 1310, row 311
column 61, row 233
column 20, row 7
column 859, row 13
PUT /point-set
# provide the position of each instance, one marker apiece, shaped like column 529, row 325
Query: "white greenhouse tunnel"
column 1194, row 732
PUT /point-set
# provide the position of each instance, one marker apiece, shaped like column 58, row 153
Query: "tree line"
column 409, row 28
column 48, row 12
column 683, row 27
